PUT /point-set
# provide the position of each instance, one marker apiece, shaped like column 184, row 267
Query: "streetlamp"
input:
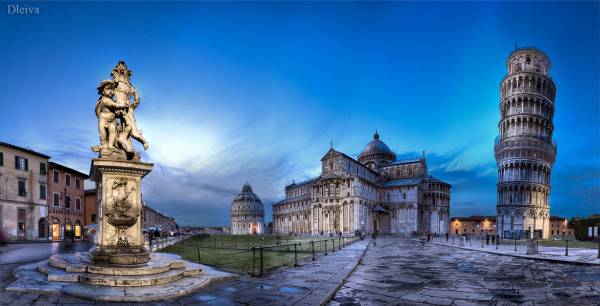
column 67, row 202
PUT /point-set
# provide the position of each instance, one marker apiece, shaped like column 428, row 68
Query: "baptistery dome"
column 247, row 213
column 376, row 153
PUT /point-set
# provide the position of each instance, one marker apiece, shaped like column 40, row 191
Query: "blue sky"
column 256, row 90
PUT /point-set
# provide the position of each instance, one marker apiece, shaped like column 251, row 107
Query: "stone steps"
column 139, row 280
column 60, row 275
column 79, row 262
column 42, row 277
column 170, row 290
column 76, row 268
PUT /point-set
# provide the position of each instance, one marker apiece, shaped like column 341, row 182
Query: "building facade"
column 375, row 192
column 524, row 150
column 560, row 228
column 152, row 218
column 91, row 206
column 247, row 213
column 66, row 208
column 473, row 225
column 23, row 193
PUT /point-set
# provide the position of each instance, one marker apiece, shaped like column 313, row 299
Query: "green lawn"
column 235, row 252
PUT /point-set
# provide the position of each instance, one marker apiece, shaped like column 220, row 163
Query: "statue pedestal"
column 119, row 239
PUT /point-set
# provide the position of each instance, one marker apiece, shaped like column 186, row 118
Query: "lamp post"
column 67, row 201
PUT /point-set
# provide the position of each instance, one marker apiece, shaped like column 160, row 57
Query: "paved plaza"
column 549, row 253
column 312, row 283
column 394, row 271
column 397, row 272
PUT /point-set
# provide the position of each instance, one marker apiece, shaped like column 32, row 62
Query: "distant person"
column 447, row 236
column 487, row 239
column 374, row 236
column 428, row 236
column 493, row 239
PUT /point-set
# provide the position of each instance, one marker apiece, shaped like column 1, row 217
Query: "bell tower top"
column 528, row 59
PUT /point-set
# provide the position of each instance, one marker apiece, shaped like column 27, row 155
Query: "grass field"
column 235, row 253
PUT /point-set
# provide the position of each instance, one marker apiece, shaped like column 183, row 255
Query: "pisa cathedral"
column 375, row 192
column 524, row 150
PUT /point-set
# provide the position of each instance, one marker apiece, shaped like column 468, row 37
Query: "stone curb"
column 573, row 262
column 332, row 293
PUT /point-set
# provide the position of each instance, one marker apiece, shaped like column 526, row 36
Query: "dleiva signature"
column 16, row 9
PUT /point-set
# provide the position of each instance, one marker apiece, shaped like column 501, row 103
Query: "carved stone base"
column 119, row 238
column 120, row 256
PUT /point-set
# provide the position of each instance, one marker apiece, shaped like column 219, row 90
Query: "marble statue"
column 116, row 118
column 118, row 173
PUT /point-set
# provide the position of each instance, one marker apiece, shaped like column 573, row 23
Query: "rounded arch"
column 42, row 228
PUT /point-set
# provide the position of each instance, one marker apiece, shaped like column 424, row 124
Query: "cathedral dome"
column 247, row 203
column 375, row 153
column 247, row 213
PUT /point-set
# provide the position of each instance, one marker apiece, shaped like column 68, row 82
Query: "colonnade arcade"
column 524, row 125
column 523, row 223
column 528, row 82
column 524, row 171
column 345, row 217
column 526, row 104
column 511, row 194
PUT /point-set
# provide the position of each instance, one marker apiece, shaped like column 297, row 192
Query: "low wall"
column 161, row 243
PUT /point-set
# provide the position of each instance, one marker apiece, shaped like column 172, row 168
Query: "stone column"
column 341, row 217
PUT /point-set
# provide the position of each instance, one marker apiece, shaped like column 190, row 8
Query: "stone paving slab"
column 554, row 254
column 396, row 271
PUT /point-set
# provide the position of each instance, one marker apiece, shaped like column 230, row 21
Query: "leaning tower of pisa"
column 524, row 148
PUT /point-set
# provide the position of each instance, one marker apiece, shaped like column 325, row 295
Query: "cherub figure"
column 106, row 109
column 124, row 91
